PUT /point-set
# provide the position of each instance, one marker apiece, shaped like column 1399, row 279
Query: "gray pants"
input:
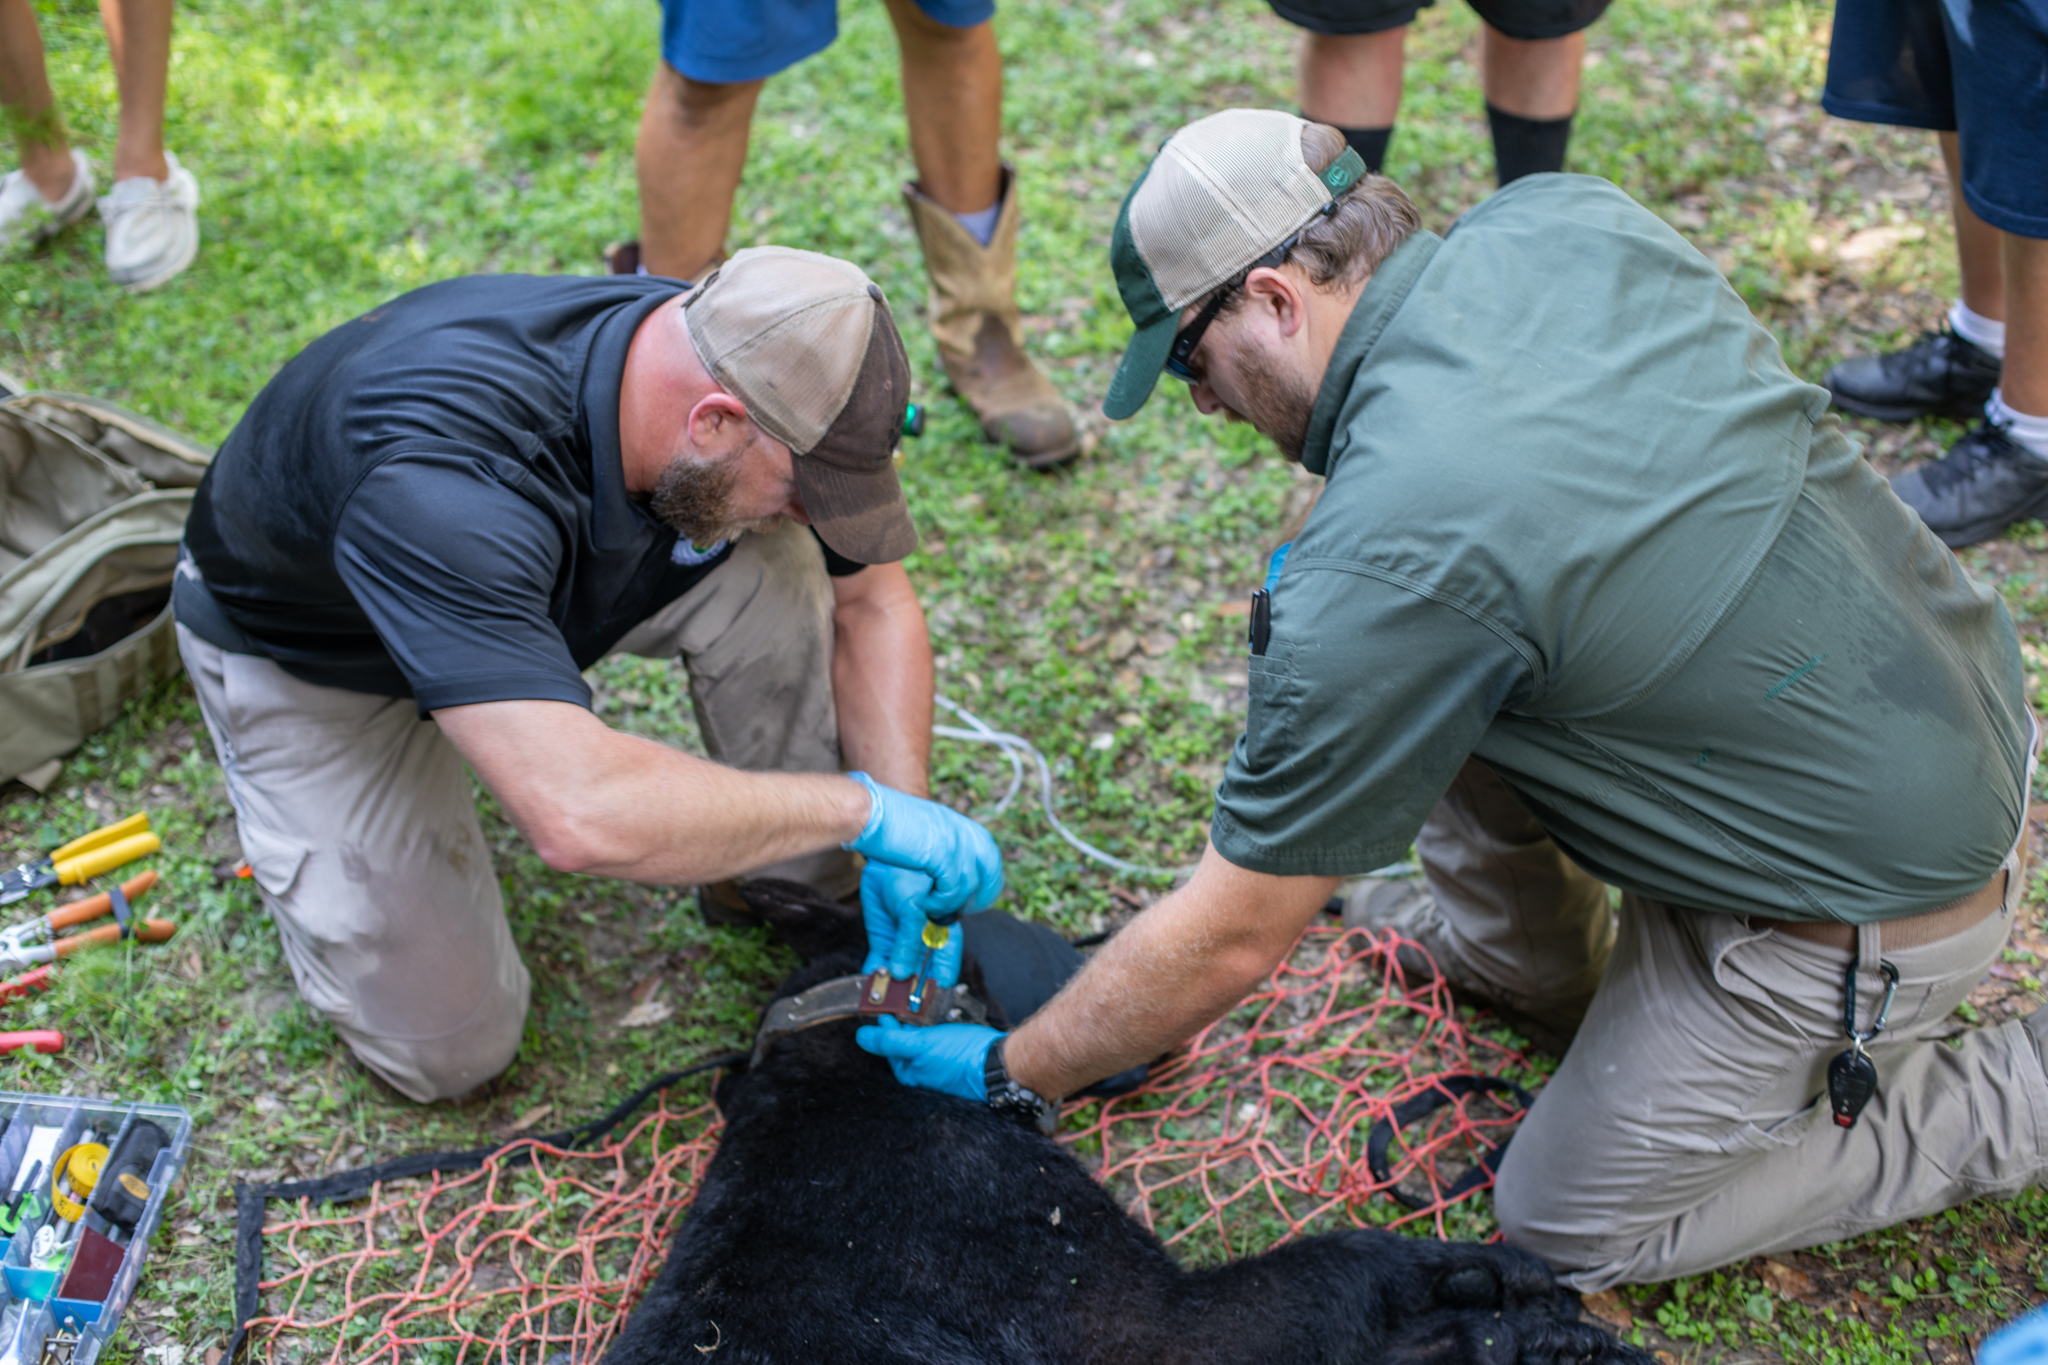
column 1688, row 1126
column 359, row 823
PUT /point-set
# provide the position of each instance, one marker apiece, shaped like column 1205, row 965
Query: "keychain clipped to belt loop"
column 1852, row 1076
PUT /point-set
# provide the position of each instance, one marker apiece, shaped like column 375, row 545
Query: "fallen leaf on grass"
column 648, row 1007
column 1608, row 1307
column 531, row 1117
column 1873, row 244
column 647, row 1013
column 1787, row 1282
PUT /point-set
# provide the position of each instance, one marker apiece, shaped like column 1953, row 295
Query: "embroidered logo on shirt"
column 687, row 554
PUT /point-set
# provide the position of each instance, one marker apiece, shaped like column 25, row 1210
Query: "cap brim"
column 860, row 515
column 1138, row 372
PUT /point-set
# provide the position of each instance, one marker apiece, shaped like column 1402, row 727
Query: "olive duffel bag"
column 93, row 501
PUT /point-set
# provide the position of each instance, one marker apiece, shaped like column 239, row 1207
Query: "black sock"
column 1525, row 146
column 1370, row 144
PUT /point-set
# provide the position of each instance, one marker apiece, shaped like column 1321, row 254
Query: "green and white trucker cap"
column 1221, row 193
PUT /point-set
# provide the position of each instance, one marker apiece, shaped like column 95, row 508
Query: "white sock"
column 1977, row 329
column 983, row 226
column 2021, row 428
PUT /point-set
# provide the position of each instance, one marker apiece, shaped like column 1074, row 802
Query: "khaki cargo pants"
column 360, row 826
column 1688, row 1126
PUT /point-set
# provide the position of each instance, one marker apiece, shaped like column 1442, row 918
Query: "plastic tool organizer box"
column 72, row 1302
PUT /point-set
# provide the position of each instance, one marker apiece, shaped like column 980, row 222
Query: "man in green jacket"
column 1596, row 595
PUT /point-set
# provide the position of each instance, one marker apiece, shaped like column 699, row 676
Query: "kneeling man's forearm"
column 1177, row 967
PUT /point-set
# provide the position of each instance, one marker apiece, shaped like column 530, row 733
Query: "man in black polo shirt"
column 437, row 515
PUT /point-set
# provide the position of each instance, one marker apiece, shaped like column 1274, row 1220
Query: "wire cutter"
column 103, row 850
column 33, row 943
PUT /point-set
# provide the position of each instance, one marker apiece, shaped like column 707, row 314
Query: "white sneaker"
column 152, row 227
column 27, row 218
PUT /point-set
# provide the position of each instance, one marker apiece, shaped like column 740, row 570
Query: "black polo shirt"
column 429, row 501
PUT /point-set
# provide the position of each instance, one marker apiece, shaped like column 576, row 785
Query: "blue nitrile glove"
column 2023, row 1341
column 882, row 890
column 945, row 1057
column 962, row 871
column 1275, row 564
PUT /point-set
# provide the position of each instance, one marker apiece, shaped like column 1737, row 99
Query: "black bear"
column 846, row 1217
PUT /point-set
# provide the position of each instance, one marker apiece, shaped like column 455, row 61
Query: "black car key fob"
column 1852, row 1080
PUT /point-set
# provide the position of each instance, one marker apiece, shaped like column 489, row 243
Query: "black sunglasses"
column 1189, row 337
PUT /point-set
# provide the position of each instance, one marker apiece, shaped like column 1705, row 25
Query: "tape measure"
column 81, row 1165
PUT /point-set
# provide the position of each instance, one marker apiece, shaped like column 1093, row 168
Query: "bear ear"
column 806, row 918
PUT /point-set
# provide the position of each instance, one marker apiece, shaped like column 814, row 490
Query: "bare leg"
column 2024, row 382
column 1977, row 244
column 692, row 148
column 139, row 37
column 30, row 105
column 953, row 99
column 1351, row 80
column 1532, row 80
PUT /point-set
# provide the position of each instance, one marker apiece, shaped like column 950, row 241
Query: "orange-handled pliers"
column 33, row 943
column 82, row 859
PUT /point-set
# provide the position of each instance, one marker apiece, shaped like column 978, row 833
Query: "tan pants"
column 1688, row 1126
column 359, row 823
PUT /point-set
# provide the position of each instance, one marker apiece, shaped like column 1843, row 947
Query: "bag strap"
column 1444, row 1090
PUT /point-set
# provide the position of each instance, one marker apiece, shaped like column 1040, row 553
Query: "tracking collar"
column 865, row 995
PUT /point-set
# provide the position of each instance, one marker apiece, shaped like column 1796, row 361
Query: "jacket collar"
column 1384, row 294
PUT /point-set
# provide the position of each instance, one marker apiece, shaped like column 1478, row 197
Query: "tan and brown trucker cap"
column 1222, row 192
column 808, row 344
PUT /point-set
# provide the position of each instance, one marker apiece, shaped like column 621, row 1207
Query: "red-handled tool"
column 37, row 980
column 41, row 1039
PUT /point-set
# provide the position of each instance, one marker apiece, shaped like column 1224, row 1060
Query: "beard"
column 695, row 498
column 1277, row 404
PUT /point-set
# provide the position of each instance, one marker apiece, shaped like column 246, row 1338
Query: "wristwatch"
column 1012, row 1100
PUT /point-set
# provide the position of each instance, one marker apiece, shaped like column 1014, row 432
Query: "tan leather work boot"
column 974, row 318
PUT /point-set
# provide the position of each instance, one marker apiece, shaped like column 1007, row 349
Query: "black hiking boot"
column 1941, row 373
column 1984, row 484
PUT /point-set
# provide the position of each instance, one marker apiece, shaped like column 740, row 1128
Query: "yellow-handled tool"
column 103, row 850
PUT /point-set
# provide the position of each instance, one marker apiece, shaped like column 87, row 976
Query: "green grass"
column 351, row 149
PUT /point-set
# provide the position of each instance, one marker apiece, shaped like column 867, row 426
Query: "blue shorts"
column 1977, row 68
column 1529, row 20
column 722, row 42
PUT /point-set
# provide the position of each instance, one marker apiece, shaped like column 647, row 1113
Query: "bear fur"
column 848, row 1218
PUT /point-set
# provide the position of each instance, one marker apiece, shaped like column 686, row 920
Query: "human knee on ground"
column 1689, row 1126
column 429, row 1069
column 360, row 829
column 1519, row 920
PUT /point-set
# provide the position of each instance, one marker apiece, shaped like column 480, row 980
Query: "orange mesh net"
column 1256, row 1132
